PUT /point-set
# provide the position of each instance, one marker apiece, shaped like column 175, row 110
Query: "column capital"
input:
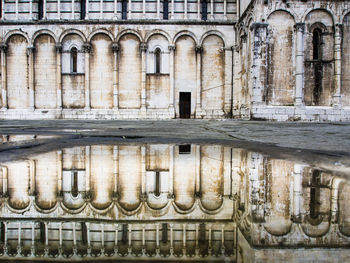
column 30, row 50
column 59, row 47
column 172, row 47
column 258, row 25
column 143, row 47
column 199, row 49
column 338, row 29
column 87, row 47
column 115, row 47
column 3, row 47
column 300, row 27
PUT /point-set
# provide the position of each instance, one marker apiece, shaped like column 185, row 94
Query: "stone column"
column 211, row 9
column 87, row 50
column 59, row 75
column 199, row 9
column 87, row 170
column 297, row 193
column 30, row 53
column 256, row 198
column 259, row 62
column 72, row 9
column 158, row 9
column 30, row 9
column 198, row 110
column 115, row 49
column 45, row 13
column 143, row 48
column 225, row 9
column 299, row 72
column 143, row 8
column 101, row 9
column 337, row 65
column 87, row 9
column 3, row 10
column 115, row 16
column 16, row 10
column 336, row 181
column 172, row 9
column 172, row 79
column 3, row 50
column 185, row 9
column 129, row 11
column 58, row 9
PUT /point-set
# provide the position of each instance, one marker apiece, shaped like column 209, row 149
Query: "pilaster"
column 87, row 51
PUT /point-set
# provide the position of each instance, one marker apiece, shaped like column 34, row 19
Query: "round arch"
column 310, row 10
column 43, row 32
column 100, row 31
column 128, row 31
column 157, row 32
column 212, row 32
column 16, row 32
column 72, row 31
column 185, row 33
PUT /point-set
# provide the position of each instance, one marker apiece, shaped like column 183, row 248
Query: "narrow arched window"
column 157, row 188
column 165, row 9
column 124, row 9
column 82, row 9
column 317, row 58
column 74, row 184
column 204, row 10
column 315, row 195
column 316, row 42
column 74, row 59
column 40, row 9
column 157, row 59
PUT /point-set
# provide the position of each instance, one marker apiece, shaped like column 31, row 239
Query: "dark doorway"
column 40, row 9
column 185, row 105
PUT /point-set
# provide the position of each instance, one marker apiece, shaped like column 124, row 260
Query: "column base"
column 199, row 113
column 336, row 101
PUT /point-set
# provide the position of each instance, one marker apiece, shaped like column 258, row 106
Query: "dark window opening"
column 315, row 195
column 157, row 188
column 202, row 233
column 204, row 10
column 185, row 105
column 185, row 149
column 157, row 56
column 75, row 184
column 164, row 232
column 317, row 58
column 124, row 9
column 82, row 9
column 83, row 233
column 40, row 9
column 2, row 230
column 74, row 59
column 42, row 232
column 0, row 9
column 317, row 42
column 125, row 233
column 165, row 10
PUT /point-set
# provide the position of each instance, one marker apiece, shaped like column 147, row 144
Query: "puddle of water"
column 170, row 202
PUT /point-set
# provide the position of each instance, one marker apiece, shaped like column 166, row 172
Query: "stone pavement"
column 315, row 143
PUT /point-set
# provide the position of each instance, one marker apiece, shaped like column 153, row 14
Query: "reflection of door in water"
column 185, row 105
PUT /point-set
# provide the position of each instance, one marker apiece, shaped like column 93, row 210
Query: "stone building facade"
column 262, row 59
column 170, row 202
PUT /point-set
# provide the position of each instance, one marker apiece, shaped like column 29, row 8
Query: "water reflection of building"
column 165, row 200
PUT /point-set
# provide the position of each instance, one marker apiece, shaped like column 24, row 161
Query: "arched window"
column 204, row 10
column 315, row 195
column 157, row 60
column 317, row 58
column 40, row 9
column 75, row 184
column 82, row 9
column 124, row 9
column 157, row 187
column 165, row 9
column 74, row 59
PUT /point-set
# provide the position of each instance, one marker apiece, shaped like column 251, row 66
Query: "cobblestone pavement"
column 321, row 144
